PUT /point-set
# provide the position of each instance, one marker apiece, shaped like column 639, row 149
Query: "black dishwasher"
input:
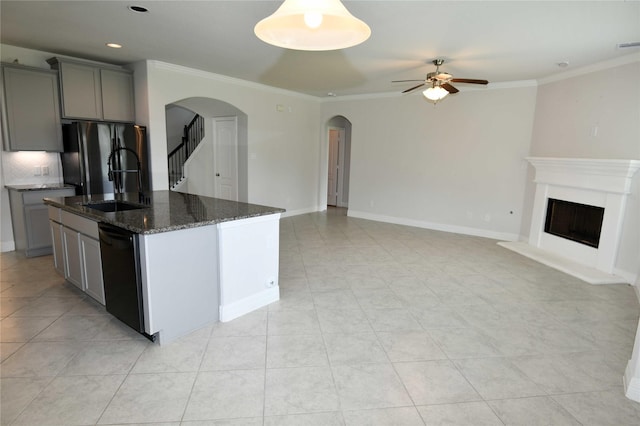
column 121, row 273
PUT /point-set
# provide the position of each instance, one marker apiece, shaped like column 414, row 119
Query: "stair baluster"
column 192, row 136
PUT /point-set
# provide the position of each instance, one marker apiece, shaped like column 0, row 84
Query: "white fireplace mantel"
column 613, row 176
column 603, row 183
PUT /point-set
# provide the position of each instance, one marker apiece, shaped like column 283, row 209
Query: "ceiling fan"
column 438, row 83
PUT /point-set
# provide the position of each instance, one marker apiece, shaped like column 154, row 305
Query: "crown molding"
column 588, row 69
column 395, row 94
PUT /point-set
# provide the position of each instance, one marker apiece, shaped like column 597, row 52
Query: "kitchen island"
column 201, row 259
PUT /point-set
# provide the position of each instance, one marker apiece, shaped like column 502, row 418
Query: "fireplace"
column 574, row 221
column 577, row 215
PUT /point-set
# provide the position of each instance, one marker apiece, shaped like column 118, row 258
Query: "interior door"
column 334, row 167
column 226, row 158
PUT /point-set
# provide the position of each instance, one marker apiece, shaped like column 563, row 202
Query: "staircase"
column 192, row 136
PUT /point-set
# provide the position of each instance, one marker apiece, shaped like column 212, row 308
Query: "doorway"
column 338, row 161
column 336, row 139
column 225, row 158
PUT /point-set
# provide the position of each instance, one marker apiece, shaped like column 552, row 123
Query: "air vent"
column 630, row 44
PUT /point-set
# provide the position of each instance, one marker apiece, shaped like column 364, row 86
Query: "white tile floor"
column 377, row 324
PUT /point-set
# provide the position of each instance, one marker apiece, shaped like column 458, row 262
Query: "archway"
column 203, row 172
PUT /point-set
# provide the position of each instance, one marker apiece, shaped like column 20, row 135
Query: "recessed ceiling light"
column 114, row 45
column 138, row 9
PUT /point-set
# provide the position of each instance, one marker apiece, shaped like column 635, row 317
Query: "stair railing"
column 192, row 136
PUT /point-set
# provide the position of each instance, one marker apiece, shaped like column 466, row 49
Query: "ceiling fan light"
column 312, row 25
column 435, row 93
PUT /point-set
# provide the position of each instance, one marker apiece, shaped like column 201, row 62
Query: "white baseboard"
column 290, row 213
column 249, row 304
column 636, row 287
column 503, row 236
column 628, row 276
column 631, row 383
column 7, row 246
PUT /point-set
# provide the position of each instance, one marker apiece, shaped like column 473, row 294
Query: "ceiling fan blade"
column 413, row 88
column 469, row 80
column 404, row 81
column 449, row 88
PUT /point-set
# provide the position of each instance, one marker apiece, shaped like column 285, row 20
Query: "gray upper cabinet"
column 30, row 110
column 91, row 92
column 117, row 95
column 81, row 92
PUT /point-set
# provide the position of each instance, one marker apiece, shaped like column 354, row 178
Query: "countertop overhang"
column 163, row 211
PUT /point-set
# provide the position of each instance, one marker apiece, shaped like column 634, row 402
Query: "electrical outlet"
column 45, row 170
column 37, row 171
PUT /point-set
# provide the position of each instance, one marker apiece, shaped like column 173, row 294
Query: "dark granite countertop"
column 163, row 210
column 38, row 187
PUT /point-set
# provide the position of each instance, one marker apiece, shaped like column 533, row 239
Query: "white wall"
column 568, row 112
column 283, row 153
column 594, row 115
column 457, row 166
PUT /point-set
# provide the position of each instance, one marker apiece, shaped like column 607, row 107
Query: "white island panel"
column 249, row 261
column 180, row 281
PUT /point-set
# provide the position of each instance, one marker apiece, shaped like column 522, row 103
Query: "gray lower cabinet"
column 31, row 109
column 92, row 267
column 72, row 260
column 77, row 251
column 58, row 246
column 30, row 222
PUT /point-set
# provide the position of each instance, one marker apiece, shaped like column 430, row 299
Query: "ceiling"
column 499, row 41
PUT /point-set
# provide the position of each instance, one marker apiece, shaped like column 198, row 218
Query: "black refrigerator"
column 93, row 149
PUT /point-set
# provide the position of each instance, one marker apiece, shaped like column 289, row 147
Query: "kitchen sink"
column 113, row 206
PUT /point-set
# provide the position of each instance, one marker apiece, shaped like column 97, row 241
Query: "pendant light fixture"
column 312, row 25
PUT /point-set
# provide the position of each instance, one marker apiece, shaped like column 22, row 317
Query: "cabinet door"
column 58, row 250
column 72, row 257
column 117, row 95
column 81, row 91
column 31, row 118
column 38, row 232
column 92, row 267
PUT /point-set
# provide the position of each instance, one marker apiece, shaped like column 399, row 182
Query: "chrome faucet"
column 113, row 174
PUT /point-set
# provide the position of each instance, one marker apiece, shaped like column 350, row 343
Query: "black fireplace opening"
column 576, row 222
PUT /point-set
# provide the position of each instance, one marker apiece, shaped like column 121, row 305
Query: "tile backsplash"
column 30, row 167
